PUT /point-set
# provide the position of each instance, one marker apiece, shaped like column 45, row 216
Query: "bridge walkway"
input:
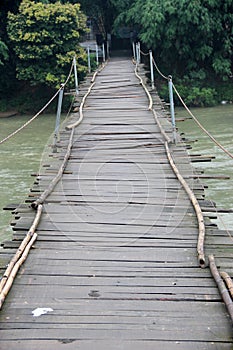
column 115, row 263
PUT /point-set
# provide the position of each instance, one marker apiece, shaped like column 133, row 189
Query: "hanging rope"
column 40, row 111
column 160, row 73
column 144, row 54
column 31, row 120
column 201, row 126
column 194, row 118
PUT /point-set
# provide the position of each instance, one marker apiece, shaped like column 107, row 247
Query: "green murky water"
column 219, row 122
column 21, row 156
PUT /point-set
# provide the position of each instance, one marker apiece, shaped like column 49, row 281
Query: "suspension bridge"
column 114, row 247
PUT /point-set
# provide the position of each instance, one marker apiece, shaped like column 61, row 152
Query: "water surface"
column 21, row 155
column 219, row 122
column 19, row 158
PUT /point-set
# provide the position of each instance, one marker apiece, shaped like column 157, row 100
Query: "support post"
column 104, row 56
column 89, row 59
column 139, row 52
column 152, row 71
column 75, row 75
column 58, row 117
column 134, row 50
column 97, row 54
column 170, row 87
column 108, row 50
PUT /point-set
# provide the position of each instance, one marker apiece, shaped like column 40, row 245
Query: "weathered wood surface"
column 115, row 257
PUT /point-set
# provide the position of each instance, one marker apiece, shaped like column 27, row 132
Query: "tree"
column 190, row 37
column 101, row 12
column 3, row 53
column 45, row 37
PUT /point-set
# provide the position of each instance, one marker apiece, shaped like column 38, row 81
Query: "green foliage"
column 45, row 38
column 3, row 53
column 193, row 96
column 187, row 35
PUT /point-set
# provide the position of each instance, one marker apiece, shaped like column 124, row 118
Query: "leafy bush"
column 192, row 96
column 45, row 38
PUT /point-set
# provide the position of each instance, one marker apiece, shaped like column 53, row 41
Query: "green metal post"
column 172, row 107
column 97, row 54
column 89, row 59
column 58, row 117
column 152, row 71
column 75, row 76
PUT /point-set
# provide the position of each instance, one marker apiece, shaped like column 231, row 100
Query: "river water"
column 21, row 155
column 219, row 122
column 19, row 158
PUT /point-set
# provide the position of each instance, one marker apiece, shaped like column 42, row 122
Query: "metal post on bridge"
column 152, row 71
column 108, row 49
column 75, row 76
column 139, row 52
column 137, row 58
column 170, row 87
column 97, row 54
column 58, row 117
column 138, row 55
column 104, row 56
column 89, row 59
column 134, row 50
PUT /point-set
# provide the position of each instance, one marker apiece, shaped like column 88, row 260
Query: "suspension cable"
column 192, row 115
column 157, row 68
column 144, row 54
column 40, row 111
column 201, row 126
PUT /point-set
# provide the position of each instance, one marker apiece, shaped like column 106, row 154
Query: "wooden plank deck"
column 115, row 260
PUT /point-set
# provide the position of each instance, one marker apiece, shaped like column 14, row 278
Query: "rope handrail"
column 40, row 111
column 191, row 114
column 144, row 54
column 158, row 70
column 201, row 126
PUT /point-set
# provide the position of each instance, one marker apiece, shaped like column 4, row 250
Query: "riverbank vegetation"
column 191, row 39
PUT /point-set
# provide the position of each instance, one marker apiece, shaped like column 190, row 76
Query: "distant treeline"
column 190, row 39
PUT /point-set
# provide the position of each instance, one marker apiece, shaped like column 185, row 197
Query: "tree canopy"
column 45, row 38
column 191, row 39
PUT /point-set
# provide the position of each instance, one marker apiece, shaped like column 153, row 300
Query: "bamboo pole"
column 19, row 257
column 78, row 122
column 192, row 197
column 227, row 279
column 145, row 88
column 57, row 178
column 15, row 269
column 197, row 208
column 166, row 137
column 81, row 116
column 221, row 286
column 21, row 248
column 71, row 127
